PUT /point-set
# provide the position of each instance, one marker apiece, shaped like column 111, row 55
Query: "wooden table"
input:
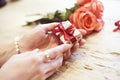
column 98, row 59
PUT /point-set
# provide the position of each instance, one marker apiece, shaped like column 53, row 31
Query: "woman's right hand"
column 33, row 65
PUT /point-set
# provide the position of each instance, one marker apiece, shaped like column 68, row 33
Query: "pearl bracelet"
column 17, row 45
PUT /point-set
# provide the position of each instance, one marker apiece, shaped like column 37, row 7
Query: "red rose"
column 82, row 2
column 82, row 18
column 96, row 7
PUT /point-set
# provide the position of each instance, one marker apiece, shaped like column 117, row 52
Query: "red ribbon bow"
column 67, row 33
column 117, row 23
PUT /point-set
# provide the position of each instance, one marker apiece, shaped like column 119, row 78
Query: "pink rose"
column 82, row 18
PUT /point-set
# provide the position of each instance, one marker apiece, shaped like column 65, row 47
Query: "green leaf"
column 68, row 12
column 57, row 16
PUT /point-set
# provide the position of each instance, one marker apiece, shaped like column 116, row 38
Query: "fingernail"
column 36, row 50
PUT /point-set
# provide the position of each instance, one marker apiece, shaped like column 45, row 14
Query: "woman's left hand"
column 39, row 37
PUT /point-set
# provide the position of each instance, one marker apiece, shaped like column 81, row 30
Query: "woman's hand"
column 33, row 65
column 41, row 37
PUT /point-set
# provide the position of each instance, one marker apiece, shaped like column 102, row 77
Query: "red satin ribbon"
column 67, row 33
column 117, row 23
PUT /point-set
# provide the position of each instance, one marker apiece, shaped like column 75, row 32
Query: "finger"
column 57, row 51
column 45, row 76
column 61, row 48
column 49, row 27
column 67, row 54
column 83, row 32
column 53, row 65
column 82, row 42
column 75, row 47
column 49, row 74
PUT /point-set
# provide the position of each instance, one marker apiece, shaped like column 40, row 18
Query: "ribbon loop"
column 66, row 33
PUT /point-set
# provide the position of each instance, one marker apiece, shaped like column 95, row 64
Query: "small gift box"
column 67, row 33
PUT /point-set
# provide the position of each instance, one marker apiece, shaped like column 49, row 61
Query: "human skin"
column 39, row 37
column 33, row 65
